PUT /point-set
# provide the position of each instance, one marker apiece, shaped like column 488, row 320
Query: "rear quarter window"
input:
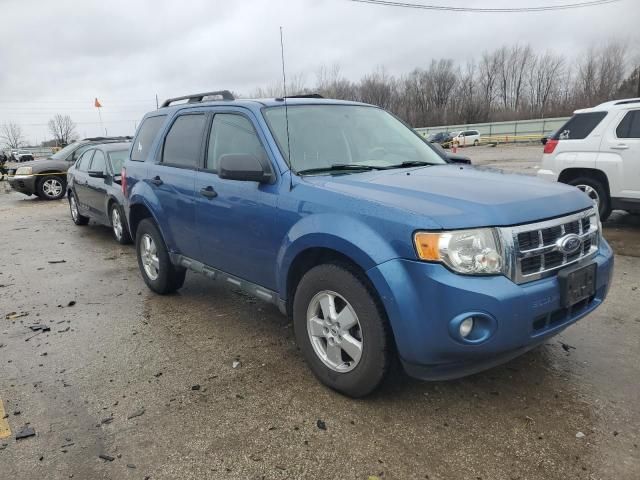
column 630, row 125
column 145, row 137
column 579, row 126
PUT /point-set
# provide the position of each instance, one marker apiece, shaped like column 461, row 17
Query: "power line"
column 542, row 8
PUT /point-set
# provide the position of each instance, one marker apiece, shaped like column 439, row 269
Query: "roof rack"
column 197, row 97
column 628, row 101
column 304, row 95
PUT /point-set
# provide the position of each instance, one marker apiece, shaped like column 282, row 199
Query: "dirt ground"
column 149, row 383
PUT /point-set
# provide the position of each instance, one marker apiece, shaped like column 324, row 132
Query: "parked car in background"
column 47, row 177
column 352, row 224
column 466, row 138
column 20, row 156
column 440, row 138
column 451, row 157
column 94, row 188
column 598, row 151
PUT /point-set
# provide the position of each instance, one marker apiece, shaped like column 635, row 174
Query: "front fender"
column 351, row 237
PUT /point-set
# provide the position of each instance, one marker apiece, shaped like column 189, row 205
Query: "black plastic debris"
column 56, row 261
column 321, row 425
column 40, row 328
column 566, row 347
column 195, row 387
column 26, row 432
column 106, row 458
column 71, row 303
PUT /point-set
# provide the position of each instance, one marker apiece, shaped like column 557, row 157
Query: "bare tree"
column 63, row 129
column 377, row 88
column 11, row 135
column 544, row 78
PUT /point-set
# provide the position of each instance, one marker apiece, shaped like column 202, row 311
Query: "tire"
column 476, row 143
column 118, row 224
column 51, row 187
column 598, row 193
column 355, row 377
column 77, row 218
column 156, row 268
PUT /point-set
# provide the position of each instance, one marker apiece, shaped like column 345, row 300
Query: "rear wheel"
column 119, row 225
column 597, row 192
column 158, row 272
column 51, row 187
column 476, row 143
column 75, row 211
column 341, row 330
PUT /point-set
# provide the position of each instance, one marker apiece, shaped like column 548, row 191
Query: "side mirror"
column 97, row 174
column 244, row 167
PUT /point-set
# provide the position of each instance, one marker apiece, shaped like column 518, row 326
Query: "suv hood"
column 460, row 197
column 43, row 163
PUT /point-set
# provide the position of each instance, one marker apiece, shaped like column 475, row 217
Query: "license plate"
column 577, row 284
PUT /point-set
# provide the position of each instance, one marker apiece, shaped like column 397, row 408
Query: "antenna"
column 286, row 110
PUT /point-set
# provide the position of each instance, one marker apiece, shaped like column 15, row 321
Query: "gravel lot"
column 148, row 382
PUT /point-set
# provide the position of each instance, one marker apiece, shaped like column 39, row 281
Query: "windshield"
column 324, row 135
column 62, row 154
column 117, row 159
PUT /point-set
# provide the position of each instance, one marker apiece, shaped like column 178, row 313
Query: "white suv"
column 598, row 151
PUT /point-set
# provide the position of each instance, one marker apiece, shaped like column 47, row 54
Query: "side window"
column 146, row 136
column 99, row 162
column 232, row 134
column 84, row 161
column 630, row 125
column 184, row 141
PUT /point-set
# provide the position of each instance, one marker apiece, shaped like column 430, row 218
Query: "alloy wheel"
column 592, row 192
column 334, row 331
column 116, row 223
column 52, row 187
column 74, row 208
column 149, row 256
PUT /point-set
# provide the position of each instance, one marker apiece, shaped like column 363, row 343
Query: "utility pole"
column 157, row 107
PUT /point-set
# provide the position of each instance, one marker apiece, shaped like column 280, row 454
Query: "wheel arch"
column 569, row 174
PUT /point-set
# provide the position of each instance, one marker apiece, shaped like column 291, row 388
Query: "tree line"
column 508, row 83
column 61, row 127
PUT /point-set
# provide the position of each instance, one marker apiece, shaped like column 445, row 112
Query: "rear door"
column 96, row 188
column 624, row 141
column 172, row 178
column 81, row 178
column 238, row 226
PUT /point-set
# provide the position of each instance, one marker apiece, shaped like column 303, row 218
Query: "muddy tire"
column 341, row 330
column 77, row 218
column 156, row 268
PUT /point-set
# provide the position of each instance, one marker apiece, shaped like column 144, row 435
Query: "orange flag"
column 97, row 104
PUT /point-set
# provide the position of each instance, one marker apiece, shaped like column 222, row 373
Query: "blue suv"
column 361, row 232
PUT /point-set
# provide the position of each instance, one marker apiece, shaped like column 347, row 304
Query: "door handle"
column 208, row 192
column 157, row 181
column 620, row 146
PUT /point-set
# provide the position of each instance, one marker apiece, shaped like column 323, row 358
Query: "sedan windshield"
column 117, row 159
column 323, row 137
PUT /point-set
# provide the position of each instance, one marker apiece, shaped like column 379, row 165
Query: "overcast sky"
column 57, row 55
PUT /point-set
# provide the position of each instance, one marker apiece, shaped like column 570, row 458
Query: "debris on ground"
column 580, row 435
column 71, row 303
column 321, row 425
column 40, row 328
column 107, row 458
column 14, row 315
column 131, row 465
column 64, row 330
column 56, row 261
column 137, row 413
column 26, row 432
column 566, row 347
column 106, row 421
column 195, row 387
column 236, row 364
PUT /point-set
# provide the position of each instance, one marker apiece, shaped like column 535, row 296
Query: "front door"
column 238, row 226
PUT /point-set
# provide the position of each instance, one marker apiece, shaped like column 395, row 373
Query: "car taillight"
column 123, row 181
column 550, row 146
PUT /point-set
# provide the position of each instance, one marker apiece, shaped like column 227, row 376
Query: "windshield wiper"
column 340, row 167
column 410, row 163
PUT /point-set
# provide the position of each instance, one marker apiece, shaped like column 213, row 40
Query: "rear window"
column 630, row 125
column 579, row 126
column 183, row 143
column 146, row 136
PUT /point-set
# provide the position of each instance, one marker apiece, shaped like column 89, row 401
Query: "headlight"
column 24, row 171
column 474, row 251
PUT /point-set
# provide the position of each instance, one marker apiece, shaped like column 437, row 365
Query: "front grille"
column 538, row 248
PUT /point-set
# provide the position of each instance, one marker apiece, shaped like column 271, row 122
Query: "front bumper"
column 422, row 299
column 23, row 183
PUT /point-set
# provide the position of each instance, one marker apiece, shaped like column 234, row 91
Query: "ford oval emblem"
column 569, row 244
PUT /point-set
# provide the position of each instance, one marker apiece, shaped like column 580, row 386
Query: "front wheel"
column 158, row 272
column 597, row 192
column 341, row 330
column 51, row 187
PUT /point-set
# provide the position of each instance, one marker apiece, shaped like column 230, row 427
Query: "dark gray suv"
column 47, row 177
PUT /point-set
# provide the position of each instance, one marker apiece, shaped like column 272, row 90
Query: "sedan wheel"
column 116, row 223
column 149, row 256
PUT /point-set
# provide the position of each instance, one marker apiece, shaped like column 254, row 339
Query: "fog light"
column 466, row 326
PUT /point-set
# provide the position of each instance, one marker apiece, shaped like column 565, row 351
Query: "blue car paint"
column 255, row 232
